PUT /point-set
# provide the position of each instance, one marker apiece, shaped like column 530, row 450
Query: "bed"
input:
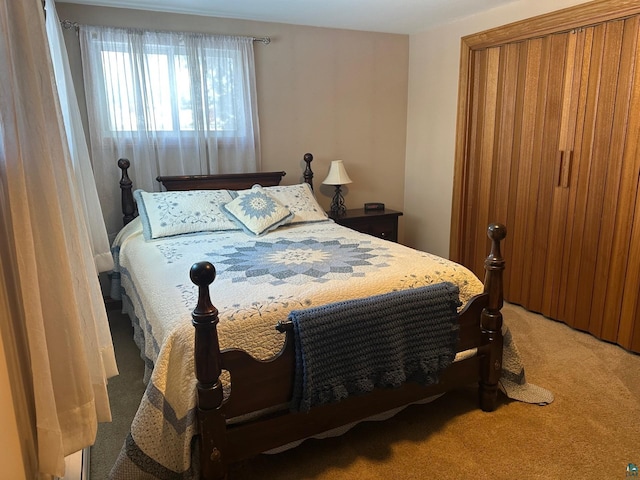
column 243, row 377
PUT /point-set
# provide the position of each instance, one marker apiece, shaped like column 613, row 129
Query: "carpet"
column 590, row 431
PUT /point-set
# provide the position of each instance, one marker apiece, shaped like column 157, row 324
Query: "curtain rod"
column 68, row 25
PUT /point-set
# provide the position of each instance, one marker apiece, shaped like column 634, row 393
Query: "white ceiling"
column 390, row 16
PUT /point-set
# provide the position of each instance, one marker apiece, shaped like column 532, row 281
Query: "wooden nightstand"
column 379, row 223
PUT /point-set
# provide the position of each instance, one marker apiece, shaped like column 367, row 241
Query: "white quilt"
column 259, row 280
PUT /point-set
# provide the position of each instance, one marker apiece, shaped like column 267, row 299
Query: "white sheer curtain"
column 52, row 291
column 77, row 142
column 173, row 103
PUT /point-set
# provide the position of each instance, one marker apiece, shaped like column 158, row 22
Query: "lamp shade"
column 337, row 174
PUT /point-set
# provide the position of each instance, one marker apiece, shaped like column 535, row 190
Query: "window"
column 167, row 82
column 170, row 77
column 173, row 103
column 172, row 80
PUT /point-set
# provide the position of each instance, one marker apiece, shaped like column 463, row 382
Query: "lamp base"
column 337, row 203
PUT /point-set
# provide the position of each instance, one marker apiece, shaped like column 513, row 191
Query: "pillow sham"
column 165, row 214
column 257, row 212
column 300, row 200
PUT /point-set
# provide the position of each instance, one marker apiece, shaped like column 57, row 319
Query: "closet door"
column 512, row 144
column 621, row 319
column 629, row 320
column 602, row 154
column 537, row 242
column 620, row 314
column 549, row 144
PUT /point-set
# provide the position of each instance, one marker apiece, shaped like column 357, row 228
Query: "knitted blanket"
column 350, row 348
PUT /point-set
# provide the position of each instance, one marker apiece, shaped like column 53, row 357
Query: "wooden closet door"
column 513, row 139
column 551, row 122
column 543, row 243
column 621, row 317
column 629, row 319
column 601, row 193
column 490, row 107
column 616, row 265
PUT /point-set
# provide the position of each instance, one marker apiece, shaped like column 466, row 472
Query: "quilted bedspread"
column 259, row 281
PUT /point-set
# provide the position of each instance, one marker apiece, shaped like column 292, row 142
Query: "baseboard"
column 77, row 465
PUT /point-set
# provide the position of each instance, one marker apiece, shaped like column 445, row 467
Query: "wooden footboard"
column 266, row 386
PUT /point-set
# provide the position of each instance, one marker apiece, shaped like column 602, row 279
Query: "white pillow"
column 165, row 214
column 256, row 211
column 299, row 199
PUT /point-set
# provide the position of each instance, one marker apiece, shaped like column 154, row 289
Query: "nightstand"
column 379, row 223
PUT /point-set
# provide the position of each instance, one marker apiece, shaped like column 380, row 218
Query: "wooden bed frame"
column 262, row 385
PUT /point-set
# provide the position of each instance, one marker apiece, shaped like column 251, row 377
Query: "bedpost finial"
column 308, row 173
column 124, row 163
column 129, row 209
column 202, row 273
column 497, row 232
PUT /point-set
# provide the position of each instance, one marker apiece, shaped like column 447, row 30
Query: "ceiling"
column 390, row 16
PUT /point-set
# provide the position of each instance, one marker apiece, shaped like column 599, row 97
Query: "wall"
column 433, row 97
column 338, row 94
column 16, row 438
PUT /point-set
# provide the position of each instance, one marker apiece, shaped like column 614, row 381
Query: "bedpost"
column 491, row 321
column 308, row 173
column 128, row 205
column 211, row 423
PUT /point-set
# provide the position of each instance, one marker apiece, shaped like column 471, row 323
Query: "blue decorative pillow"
column 165, row 214
column 256, row 211
column 299, row 199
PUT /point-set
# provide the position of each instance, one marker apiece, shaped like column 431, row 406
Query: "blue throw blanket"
column 349, row 348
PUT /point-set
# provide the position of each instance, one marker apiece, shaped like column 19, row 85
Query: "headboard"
column 228, row 181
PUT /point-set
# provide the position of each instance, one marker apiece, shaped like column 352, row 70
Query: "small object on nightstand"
column 379, row 223
column 373, row 206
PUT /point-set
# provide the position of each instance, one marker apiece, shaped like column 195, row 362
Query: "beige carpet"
column 125, row 393
column 590, row 431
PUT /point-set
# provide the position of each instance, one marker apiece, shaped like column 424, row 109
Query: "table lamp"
column 337, row 176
